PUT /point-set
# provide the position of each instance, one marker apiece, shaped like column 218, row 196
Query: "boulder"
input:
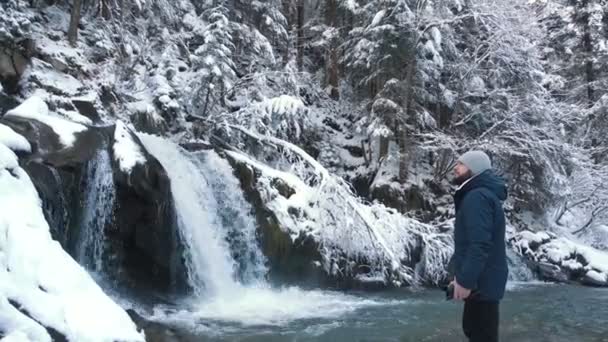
column 144, row 245
column 87, row 108
column 146, row 223
column 14, row 59
column 290, row 261
column 150, row 122
column 558, row 259
column 298, row 260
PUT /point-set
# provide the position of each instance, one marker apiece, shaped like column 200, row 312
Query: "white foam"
column 262, row 306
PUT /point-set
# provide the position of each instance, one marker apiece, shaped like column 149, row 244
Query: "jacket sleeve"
column 478, row 224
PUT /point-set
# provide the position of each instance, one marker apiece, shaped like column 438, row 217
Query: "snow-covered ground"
column 42, row 288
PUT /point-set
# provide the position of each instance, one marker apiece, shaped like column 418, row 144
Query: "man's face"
column 461, row 173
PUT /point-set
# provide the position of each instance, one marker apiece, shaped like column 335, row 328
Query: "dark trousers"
column 480, row 321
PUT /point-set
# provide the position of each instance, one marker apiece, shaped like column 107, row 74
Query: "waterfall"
column 235, row 215
column 518, row 270
column 211, row 268
column 97, row 211
column 225, row 265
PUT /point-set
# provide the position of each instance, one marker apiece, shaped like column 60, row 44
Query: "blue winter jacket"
column 480, row 262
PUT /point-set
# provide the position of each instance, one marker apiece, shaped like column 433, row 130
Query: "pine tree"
column 577, row 48
column 396, row 43
column 213, row 61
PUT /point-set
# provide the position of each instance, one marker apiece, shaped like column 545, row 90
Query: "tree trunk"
column 300, row 34
column 333, row 71
column 105, row 9
column 74, row 21
column 289, row 15
column 123, row 8
column 402, row 135
column 207, row 96
column 384, row 144
column 588, row 51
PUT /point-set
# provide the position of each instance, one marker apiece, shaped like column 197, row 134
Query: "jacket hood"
column 488, row 180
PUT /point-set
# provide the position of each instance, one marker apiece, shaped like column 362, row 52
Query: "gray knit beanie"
column 476, row 161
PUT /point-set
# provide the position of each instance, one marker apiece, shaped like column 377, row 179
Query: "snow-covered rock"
column 561, row 259
column 44, row 293
column 34, row 108
column 143, row 214
column 12, row 140
column 351, row 240
column 126, row 150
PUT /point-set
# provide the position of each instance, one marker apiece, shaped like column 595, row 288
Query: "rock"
column 87, row 108
column 41, row 74
column 55, row 335
column 594, row 278
column 12, row 65
column 290, row 262
column 159, row 332
column 298, row 260
column 146, row 224
column 196, row 146
column 404, row 200
column 557, row 258
column 551, row 272
column 143, row 240
column 108, row 96
column 355, row 151
column 6, row 103
column 57, row 63
column 149, row 122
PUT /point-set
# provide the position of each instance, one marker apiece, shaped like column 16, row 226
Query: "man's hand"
column 460, row 292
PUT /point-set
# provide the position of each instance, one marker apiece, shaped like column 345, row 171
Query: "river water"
column 530, row 312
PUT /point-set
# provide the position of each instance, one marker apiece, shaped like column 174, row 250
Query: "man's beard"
column 458, row 181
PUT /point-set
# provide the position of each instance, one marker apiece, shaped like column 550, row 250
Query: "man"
column 479, row 263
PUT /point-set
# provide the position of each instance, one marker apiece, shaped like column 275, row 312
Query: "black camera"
column 449, row 291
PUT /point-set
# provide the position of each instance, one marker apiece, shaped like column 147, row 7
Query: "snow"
column 538, row 237
column 563, row 252
column 12, row 140
column 8, row 159
column 599, row 277
column 342, row 223
column 126, row 151
column 283, row 116
column 558, row 250
column 436, row 34
column 51, row 79
column 284, row 104
column 60, row 50
column 35, row 108
column 572, row 264
column 40, row 278
column 19, row 327
column 596, row 259
column 351, row 5
column 74, row 116
column 378, row 18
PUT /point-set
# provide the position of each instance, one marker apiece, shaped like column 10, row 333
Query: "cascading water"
column 210, row 265
column 225, row 264
column 234, row 214
column 518, row 270
column 97, row 211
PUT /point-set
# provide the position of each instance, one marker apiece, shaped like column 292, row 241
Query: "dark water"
column 529, row 312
